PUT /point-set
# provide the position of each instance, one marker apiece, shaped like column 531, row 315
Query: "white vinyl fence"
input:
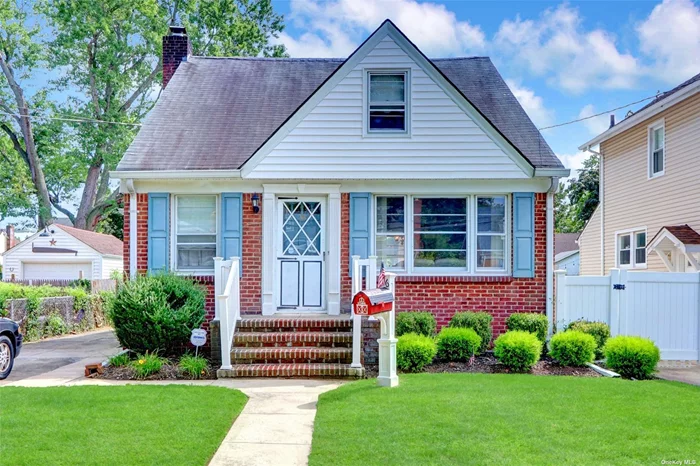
column 664, row 307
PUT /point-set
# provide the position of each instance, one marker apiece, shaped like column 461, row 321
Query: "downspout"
column 554, row 186
column 601, row 205
column 132, row 227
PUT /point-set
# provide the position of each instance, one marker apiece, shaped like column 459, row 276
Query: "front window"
column 195, row 232
column 631, row 249
column 390, row 245
column 491, row 232
column 439, row 232
column 386, row 102
column 657, row 141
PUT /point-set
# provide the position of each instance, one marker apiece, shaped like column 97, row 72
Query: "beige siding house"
column 649, row 217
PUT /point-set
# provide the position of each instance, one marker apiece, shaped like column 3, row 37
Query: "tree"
column 576, row 203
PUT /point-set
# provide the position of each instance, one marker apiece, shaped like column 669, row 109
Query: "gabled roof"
column 564, row 242
column 683, row 233
column 104, row 244
column 565, row 255
column 217, row 112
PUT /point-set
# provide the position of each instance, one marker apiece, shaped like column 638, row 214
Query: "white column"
column 333, row 257
column 268, row 254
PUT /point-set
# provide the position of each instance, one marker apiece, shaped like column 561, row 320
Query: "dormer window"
column 387, row 107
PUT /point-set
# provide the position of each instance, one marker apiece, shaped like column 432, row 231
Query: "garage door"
column 48, row 271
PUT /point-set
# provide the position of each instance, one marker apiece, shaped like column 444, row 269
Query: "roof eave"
column 173, row 174
column 627, row 123
column 556, row 172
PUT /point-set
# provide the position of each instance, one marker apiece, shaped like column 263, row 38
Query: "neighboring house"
column 297, row 164
column 62, row 252
column 566, row 253
column 649, row 215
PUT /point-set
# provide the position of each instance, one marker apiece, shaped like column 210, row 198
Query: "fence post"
column 560, row 311
column 614, row 307
column 697, row 312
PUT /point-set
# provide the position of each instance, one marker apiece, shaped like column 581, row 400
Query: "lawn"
column 507, row 419
column 132, row 424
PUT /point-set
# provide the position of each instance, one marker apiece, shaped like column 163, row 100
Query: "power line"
column 599, row 114
column 72, row 119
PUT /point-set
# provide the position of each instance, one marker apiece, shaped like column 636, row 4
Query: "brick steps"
column 314, row 346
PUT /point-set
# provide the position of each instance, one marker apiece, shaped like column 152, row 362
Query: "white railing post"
column 223, row 331
column 217, row 285
column 356, row 320
column 236, row 270
column 560, row 312
column 229, row 308
column 372, row 273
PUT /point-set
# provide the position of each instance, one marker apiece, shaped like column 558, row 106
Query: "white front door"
column 300, row 254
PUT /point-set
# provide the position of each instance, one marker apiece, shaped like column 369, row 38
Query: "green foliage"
column 572, row 348
column 194, row 367
column 414, row 352
column 632, row 357
column 120, row 360
column 146, row 364
column 518, row 350
column 574, row 204
column 54, row 326
column 422, row 323
column 480, row 322
column 157, row 313
column 598, row 330
column 457, row 344
column 529, row 322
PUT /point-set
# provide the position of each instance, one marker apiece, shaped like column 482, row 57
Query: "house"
column 566, row 253
column 295, row 165
column 60, row 252
column 649, row 214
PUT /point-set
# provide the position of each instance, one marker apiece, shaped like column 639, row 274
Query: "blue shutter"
column 231, row 225
column 524, row 235
column 360, row 221
column 158, row 231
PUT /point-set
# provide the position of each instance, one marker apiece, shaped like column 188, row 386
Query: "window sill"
column 454, row 278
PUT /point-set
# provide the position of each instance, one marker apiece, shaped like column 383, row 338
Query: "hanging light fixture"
column 256, row 202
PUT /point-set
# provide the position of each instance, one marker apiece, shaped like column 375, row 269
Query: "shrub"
column 529, row 322
column 157, row 313
column 194, row 367
column 631, row 357
column 421, row 323
column 414, row 352
column 457, row 344
column 146, row 364
column 518, row 350
column 572, row 348
column 598, row 330
column 120, row 360
column 54, row 325
column 480, row 322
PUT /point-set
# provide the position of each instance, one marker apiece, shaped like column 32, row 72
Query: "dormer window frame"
column 368, row 106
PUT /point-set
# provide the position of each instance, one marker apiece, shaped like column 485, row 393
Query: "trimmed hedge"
column 632, row 357
column 457, row 344
column 414, row 352
column 480, row 322
column 157, row 313
column 529, row 322
column 419, row 322
column 598, row 330
column 572, row 348
column 518, row 350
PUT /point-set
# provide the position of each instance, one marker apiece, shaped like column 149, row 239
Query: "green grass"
column 507, row 419
column 133, row 424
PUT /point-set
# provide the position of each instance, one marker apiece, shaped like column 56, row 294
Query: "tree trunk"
column 87, row 201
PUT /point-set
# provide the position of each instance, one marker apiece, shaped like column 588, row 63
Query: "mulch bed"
column 488, row 364
column 167, row 372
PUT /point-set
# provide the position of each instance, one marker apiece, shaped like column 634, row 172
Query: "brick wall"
column 141, row 233
column 251, row 280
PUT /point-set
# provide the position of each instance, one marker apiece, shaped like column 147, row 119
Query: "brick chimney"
column 176, row 49
column 10, row 231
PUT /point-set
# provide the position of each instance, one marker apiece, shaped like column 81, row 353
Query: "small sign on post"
column 198, row 338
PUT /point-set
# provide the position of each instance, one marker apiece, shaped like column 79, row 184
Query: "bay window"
column 428, row 234
column 195, row 233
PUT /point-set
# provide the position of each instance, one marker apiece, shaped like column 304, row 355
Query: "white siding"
column 109, row 265
column 21, row 254
column 589, row 246
column 444, row 141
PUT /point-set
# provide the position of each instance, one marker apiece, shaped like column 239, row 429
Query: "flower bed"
column 168, row 371
column 488, row 364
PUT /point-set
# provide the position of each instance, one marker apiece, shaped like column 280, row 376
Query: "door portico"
column 301, row 248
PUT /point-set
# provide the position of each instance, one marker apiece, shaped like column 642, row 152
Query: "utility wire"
column 73, row 119
column 599, row 114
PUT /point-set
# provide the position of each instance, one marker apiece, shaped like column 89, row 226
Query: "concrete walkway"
column 687, row 372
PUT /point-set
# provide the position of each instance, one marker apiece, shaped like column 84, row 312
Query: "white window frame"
column 470, row 269
column 660, row 124
column 173, row 234
column 632, row 233
column 366, row 132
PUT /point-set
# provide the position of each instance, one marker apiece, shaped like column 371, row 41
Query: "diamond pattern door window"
column 301, row 228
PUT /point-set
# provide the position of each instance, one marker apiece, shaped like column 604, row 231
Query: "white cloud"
column 532, row 103
column 671, row 37
column 336, row 28
column 573, row 161
column 594, row 125
column 559, row 48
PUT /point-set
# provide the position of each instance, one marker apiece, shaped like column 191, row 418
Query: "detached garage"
column 61, row 252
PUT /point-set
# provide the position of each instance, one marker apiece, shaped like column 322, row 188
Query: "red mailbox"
column 370, row 302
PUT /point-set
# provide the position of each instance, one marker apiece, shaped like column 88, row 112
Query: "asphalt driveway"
column 62, row 355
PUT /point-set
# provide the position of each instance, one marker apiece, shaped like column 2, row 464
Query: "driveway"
column 63, row 357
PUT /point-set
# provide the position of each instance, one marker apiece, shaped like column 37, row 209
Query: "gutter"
column 554, row 186
column 132, row 227
column 173, row 174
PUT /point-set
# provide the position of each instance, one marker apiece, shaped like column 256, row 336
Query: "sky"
column 562, row 60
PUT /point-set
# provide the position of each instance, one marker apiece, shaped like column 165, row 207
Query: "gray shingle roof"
column 216, row 112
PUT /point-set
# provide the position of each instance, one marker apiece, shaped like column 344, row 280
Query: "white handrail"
column 358, row 267
column 228, row 306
